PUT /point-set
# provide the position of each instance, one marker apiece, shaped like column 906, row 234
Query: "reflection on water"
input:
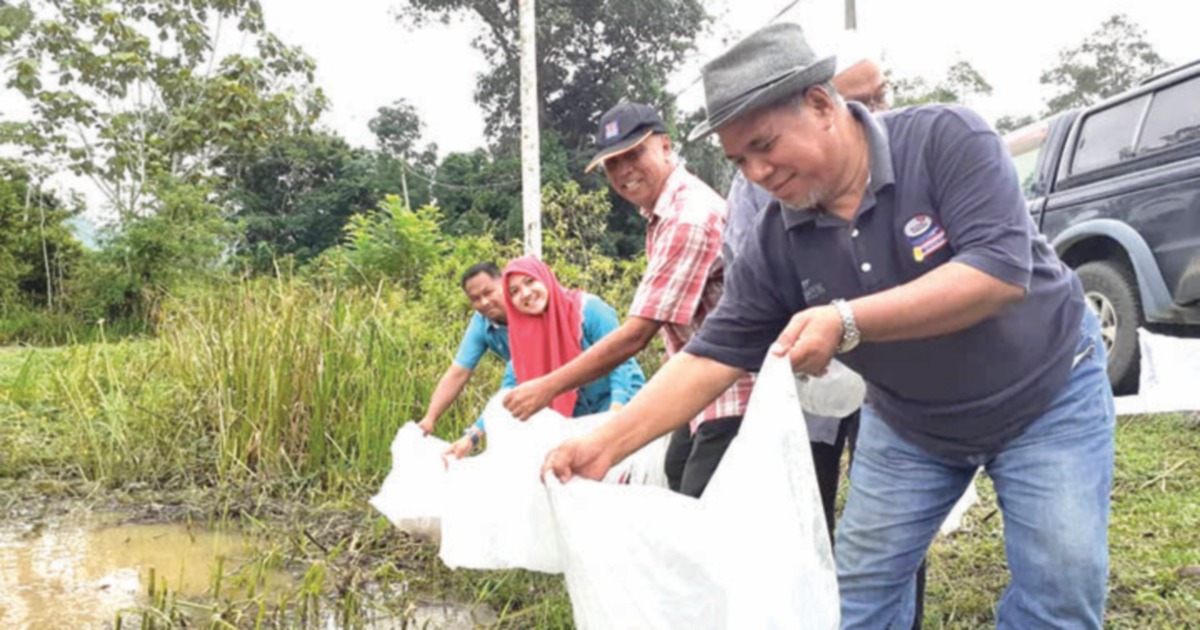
column 78, row 573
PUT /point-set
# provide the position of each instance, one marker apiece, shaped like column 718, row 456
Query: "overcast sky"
column 366, row 59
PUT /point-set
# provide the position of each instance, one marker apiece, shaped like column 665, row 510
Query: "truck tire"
column 1111, row 291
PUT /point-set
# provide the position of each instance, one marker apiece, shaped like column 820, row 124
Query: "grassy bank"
column 1153, row 537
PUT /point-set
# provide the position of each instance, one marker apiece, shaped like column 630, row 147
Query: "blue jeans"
column 1052, row 481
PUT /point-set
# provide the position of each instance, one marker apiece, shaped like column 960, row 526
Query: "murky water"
column 80, row 572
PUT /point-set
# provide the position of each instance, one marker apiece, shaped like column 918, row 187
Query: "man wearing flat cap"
column 901, row 244
column 681, row 286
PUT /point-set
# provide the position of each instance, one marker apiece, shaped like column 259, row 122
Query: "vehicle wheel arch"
column 1108, row 239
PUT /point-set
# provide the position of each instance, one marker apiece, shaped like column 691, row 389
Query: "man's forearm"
column 605, row 356
column 677, row 393
column 448, row 388
column 951, row 298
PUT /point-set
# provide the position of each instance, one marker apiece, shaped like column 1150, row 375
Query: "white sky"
column 366, row 59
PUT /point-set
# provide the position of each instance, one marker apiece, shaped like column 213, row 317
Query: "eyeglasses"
column 878, row 101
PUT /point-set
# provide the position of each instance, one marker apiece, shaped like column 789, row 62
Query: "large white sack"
column 639, row 557
column 497, row 514
column 753, row 552
column 1170, row 371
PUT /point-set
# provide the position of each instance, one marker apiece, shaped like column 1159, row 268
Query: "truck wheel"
column 1111, row 292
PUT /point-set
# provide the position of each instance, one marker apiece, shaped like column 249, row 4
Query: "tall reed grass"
column 282, row 381
column 258, row 381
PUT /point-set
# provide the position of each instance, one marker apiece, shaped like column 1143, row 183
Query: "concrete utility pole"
column 531, row 166
column 851, row 16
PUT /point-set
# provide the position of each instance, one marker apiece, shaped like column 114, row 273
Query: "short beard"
column 811, row 201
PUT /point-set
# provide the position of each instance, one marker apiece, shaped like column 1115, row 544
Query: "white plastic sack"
column 412, row 495
column 1170, row 371
column 954, row 519
column 497, row 514
column 753, row 552
column 837, row 394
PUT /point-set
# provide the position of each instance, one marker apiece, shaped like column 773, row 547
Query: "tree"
column 389, row 243
column 591, row 53
column 960, row 83
column 128, row 91
column 705, row 158
column 480, row 193
column 1110, row 60
column 397, row 130
column 38, row 252
column 293, row 196
column 1005, row 124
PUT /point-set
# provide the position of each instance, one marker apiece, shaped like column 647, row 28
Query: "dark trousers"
column 692, row 460
column 827, row 461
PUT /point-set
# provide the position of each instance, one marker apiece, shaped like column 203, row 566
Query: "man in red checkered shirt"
column 683, row 283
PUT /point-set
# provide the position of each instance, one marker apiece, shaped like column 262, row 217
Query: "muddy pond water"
column 80, row 571
column 84, row 569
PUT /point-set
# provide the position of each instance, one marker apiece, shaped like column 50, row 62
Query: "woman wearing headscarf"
column 548, row 326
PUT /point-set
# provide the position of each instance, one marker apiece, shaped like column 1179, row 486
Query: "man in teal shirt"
column 487, row 332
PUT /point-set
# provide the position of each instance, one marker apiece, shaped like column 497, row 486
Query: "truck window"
column 1106, row 137
column 1025, row 145
column 1174, row 117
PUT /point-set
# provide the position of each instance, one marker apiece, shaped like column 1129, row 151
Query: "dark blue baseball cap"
column 622, row 128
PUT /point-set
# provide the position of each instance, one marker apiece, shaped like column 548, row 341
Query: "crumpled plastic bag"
column 752, row 552
column 836, row 394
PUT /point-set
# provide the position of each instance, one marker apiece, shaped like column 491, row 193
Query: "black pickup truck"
column 1115, row 188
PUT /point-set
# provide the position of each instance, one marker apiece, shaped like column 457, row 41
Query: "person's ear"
column 819, row 101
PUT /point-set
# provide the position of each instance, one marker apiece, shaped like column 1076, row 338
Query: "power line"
column 487, row 186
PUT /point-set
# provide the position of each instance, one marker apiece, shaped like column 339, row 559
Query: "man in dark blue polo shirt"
column 901, row 243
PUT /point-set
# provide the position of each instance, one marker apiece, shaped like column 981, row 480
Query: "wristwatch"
column 850, row 334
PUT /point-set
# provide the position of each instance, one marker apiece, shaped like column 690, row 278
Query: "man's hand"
column 426, row 425
column 529, row 398
column 459, row 449
column 810, row 340
column 586, row 457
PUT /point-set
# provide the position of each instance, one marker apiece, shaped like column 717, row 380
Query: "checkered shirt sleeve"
column 677, row 267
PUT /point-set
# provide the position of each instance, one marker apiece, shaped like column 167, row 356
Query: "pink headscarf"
column 543, row 343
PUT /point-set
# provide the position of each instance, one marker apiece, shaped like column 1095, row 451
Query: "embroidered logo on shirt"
column 925, row 237
column 918, row 225
column 812, row 290
column 611, row 130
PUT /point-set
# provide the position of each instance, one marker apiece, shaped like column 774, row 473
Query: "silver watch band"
column 850, row 333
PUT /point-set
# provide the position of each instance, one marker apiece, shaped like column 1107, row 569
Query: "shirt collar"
column 880, row 171
column 662, row 205
column 491, row 325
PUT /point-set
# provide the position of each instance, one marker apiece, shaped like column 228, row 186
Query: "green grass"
column 1154, row 532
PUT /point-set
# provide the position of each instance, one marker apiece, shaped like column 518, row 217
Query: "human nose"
column 756, row 170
